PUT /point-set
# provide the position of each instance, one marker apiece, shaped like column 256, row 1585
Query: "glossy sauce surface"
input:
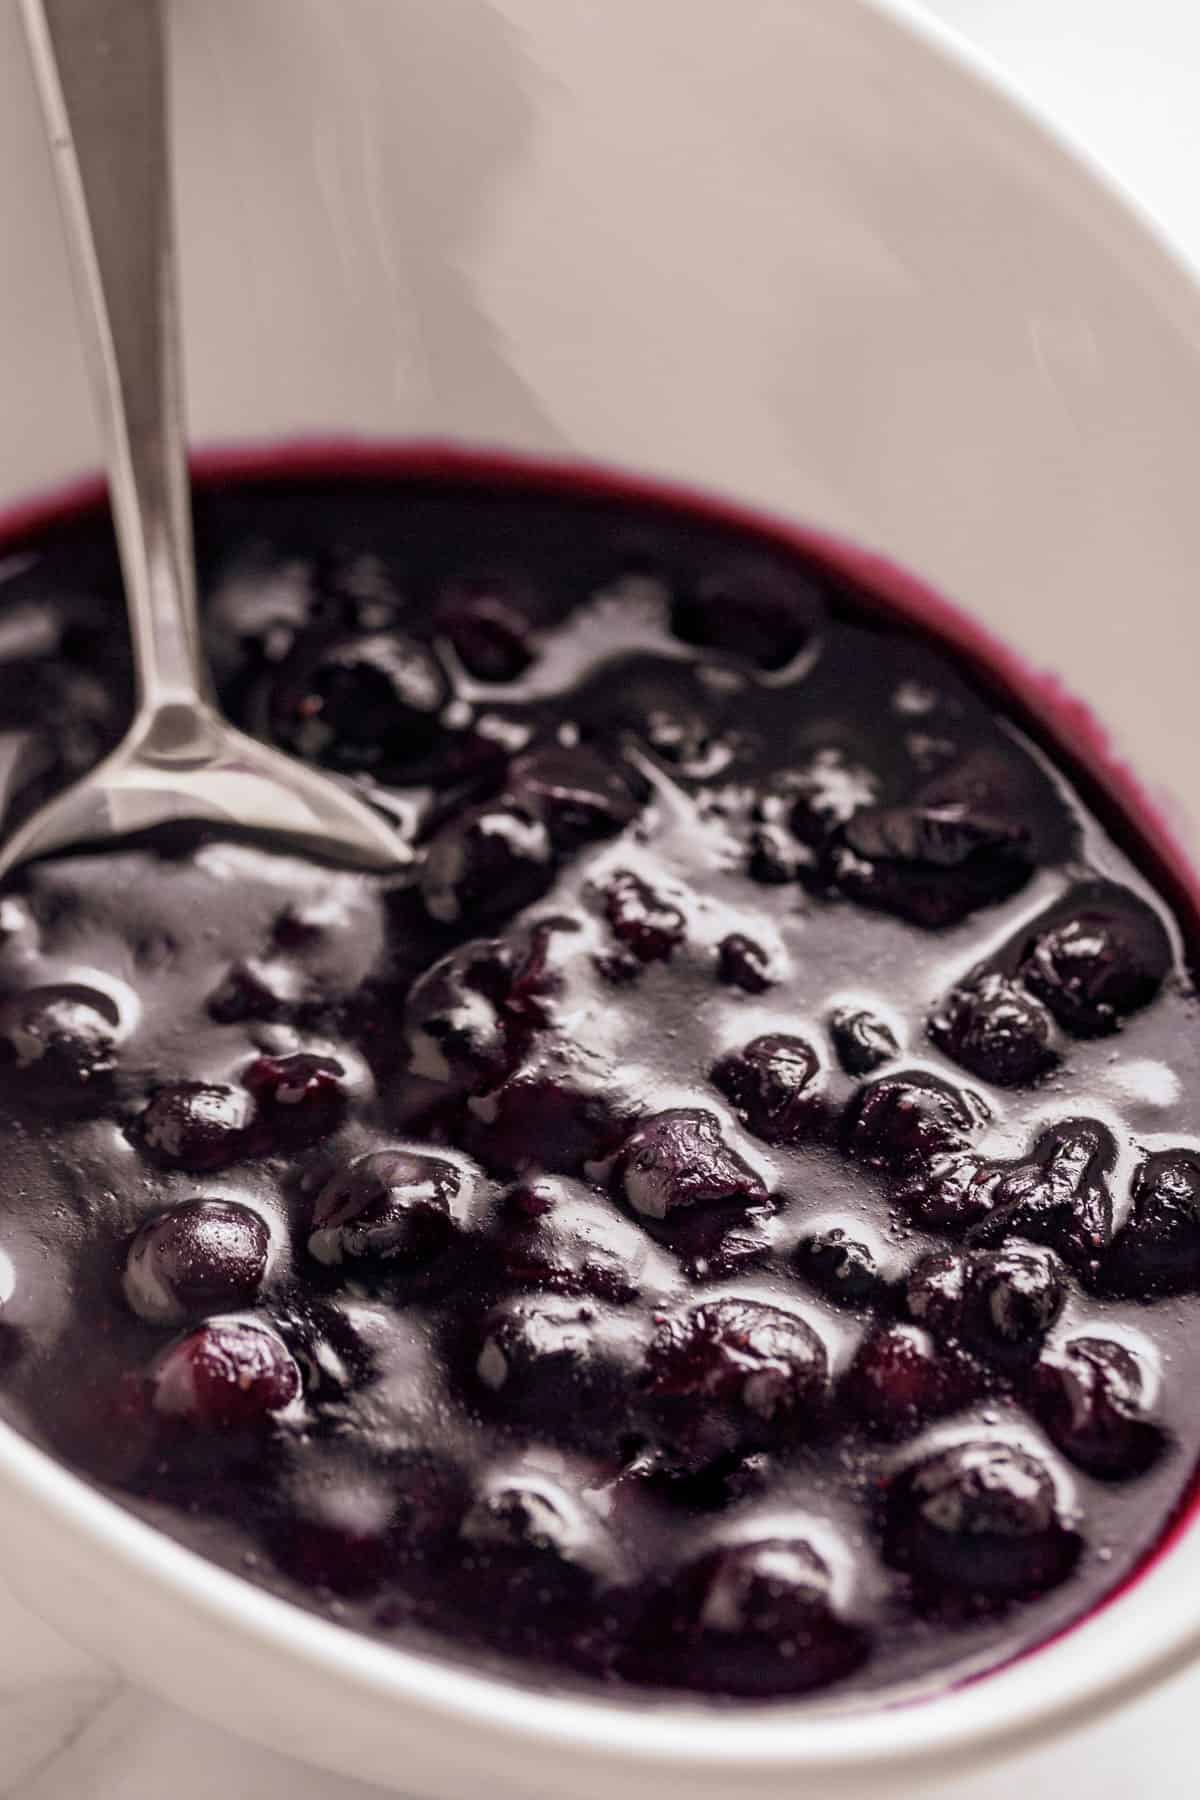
column 726, row 1219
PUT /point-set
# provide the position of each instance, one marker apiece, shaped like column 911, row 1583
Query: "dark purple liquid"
column 727, row 1219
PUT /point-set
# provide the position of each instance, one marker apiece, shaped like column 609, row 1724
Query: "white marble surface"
column 1124, row 81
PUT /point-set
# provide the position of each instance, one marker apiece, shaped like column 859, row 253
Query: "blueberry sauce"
column 725, row 1221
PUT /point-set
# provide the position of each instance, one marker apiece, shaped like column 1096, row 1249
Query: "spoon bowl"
column 100, row 72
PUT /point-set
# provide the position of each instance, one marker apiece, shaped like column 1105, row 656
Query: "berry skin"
column 454, row 1019
column 487, row 863
column 977, row 1525
column 773, row 1082
column 200, row 1257
column 301, row 1098
column 63, row 1038
column 825, row 792
column 1011, row 1300
column 563, row 1366
column 995, row 1030
column 742, row 963
column 933, row 860
column 1157, row 1250
column 389, row 1210
column 489, row 626
column 1089, row 1398
column 359, row 703
column 752, row 1618
column 863, row 1042
column 679, row 1160
column 730, row 1376
column 842, row 1267
column 1060, row 1197
column 1097, row 960
column 902, row 1122
column 225, row 1375
column 749, row 608
column 580, row 796
column 554, row 1236
column 643, row 921
column 901, row 1379
column 198, row 1126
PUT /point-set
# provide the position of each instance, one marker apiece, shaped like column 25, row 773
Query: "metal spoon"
column 101, row 77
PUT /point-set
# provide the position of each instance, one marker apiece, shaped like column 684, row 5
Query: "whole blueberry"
column 679, row 1160
column 225, row 1375
column 1096, row 961
column 1090, row 1400
column 388, row 1210
column 996, row 1030
column 198, row 1126
column 978, row 1524
column 579, row 794
column 59, row 1038
column 730, row 1375
column 754, row 1618
column 359, row 703
column 199, row 1257
column 486, row 863
column 773, row 1081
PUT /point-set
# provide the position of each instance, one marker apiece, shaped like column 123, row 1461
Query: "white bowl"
column 804, row 253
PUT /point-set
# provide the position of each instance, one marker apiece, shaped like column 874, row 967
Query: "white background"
column 1122, row 77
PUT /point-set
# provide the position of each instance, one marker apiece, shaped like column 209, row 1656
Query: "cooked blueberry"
column 901, row 1378
column 537, row 1567
column 301, row 1098
column 731, row 1375
column 904, row 1121
column 774, row 856
column 995, row 1030
column 752, row 1618
column 199, row 1257
column 933, row 1292
column 198, row 1126
column 743, row 963
column 774, row 1083
column 931, row 861
column 678, row 1160
column 359, row 703
column 351, row 1530
column 489, row 625
column 226, row 1374
column 486, row 863
column 1011, row 1299
column 337, row 1534
column 1095, row 962
column 1090, row 1399
column 953, row 1192
column 554, row 1113
column 750, row 608
column 978, row 1524
column 560, row 1365
column 253, row 990
column 1157, row 1250
column 845, row 1269
column 863, row 1041
column 1060, row 1197
column 391, row 1210
column 64, row 1037
column 649, row 925
column 825, row 792
column 557, row 1236
column 580, row 795
column 454, row 1017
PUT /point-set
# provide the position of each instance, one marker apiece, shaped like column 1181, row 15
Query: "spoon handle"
column 100, row 69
